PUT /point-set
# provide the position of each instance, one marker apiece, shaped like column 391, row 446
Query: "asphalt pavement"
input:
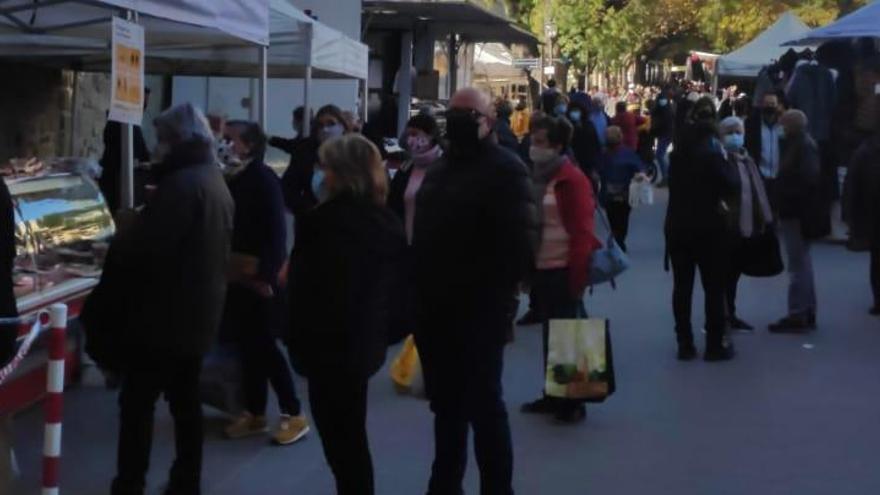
column 791, row 415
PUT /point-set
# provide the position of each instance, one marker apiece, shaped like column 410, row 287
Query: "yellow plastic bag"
column 406, row 368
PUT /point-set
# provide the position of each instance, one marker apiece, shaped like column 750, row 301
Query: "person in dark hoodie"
column 584, row 142
column 696, row 229
column 344, row 272
column 177, row 251
column 258, row 253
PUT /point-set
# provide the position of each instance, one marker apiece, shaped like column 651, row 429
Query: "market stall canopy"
column 748, row 60
column 443, row 17
column 296, row 40
column 166, row 21
column 863, row 23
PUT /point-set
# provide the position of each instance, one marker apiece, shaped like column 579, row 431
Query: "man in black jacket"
column 763, row 139
column 177, row 253
column 803, row 217
column 475, row 236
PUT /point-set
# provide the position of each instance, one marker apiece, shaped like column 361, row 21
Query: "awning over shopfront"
column 469, row 20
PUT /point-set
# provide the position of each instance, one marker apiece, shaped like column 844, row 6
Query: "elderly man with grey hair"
column 175, row 257
column 801, row 220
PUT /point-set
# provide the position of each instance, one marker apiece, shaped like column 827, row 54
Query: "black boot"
column 722, row 352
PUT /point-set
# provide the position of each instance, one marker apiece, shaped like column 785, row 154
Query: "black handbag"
column 760, row 255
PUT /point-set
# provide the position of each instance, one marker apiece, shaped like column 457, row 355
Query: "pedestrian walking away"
column 620, row 166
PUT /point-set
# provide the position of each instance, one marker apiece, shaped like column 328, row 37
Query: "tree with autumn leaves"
column 612, row 34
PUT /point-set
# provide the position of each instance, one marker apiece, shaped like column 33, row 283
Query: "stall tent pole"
column 263, row 87
column 404, row 84
column 307, row 83
column 126, row 177
column 365, row 95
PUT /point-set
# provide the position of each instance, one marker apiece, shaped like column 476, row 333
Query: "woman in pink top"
column 567, row 241
column 421, row 139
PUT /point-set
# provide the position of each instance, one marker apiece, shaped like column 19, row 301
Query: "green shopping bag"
column 579, row 360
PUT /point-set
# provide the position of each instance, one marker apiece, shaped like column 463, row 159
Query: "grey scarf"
column 752, row 191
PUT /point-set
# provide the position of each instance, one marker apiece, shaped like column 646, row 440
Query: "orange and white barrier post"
column 54, row 399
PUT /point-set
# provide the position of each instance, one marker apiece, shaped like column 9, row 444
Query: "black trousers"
column 553, row 287
column 875, row 272
column 709, row 257
column 339, row 409
column 144, row 382
column 618, row 217
column 733, row 267
column 261, row 360
column 463, row 381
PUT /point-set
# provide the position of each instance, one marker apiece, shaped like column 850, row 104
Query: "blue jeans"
column 802, row 287
column 663, row 144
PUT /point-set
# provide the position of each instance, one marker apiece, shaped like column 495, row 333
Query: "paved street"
column 791, row 415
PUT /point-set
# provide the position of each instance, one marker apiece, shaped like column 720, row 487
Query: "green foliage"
column 612, row 33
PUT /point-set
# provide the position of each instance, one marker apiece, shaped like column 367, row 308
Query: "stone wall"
column 35, row 114
column 92, row 102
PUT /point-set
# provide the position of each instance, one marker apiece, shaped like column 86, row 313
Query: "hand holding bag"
column 760, row 255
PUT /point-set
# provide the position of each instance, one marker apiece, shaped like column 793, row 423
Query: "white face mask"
column 330, row 132
column 542, row 155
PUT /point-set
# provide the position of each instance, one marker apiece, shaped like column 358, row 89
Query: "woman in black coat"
column 696, row 229
column 584, row 141
column 343, row 273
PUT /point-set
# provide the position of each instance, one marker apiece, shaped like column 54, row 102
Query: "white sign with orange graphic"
column 127, row 73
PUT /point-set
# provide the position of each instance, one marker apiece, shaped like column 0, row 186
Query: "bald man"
column 801, row 218
column 474, row 240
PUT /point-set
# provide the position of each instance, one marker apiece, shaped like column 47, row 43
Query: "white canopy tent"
column 748, row 60
column 863, row 23
column 76, row 34
column 299, row 47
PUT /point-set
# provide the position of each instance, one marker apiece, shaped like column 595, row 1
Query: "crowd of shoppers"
column 500, row 200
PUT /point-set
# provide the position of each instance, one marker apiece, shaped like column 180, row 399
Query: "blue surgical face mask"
column 734, row 142
column 318, row 187
column 575, row 115
column 662, row 102
column 560, row 110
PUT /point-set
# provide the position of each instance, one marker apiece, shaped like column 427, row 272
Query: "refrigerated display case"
column 62, row 231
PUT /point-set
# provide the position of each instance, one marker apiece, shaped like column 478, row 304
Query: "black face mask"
column 771, row 114
column 462, row 131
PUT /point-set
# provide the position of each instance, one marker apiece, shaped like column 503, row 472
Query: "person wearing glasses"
column 474, row 241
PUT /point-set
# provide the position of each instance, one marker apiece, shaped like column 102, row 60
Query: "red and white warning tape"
column 36, row 330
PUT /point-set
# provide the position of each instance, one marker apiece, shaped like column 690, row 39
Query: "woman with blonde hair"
column 343, row 274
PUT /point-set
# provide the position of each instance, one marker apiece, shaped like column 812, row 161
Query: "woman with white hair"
column 802, row 219
column 748, row 209
column 175, row 255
